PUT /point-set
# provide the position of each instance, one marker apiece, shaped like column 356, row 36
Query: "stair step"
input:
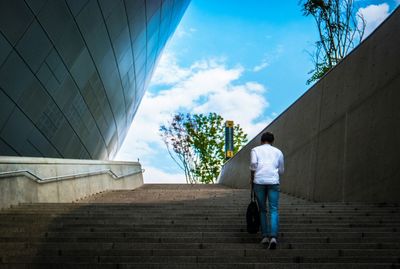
column 209, row 265
column 195, row 259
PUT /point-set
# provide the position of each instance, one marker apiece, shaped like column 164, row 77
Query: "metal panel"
column 72, row 77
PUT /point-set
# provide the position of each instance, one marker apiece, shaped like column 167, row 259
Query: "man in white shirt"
column 266, row 165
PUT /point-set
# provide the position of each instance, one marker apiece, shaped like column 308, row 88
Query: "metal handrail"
column 41, row 180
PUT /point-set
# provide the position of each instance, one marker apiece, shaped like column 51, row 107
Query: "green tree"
column 197, row 143
column 340, row 29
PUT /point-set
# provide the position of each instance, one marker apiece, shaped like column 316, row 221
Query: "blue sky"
column 246, row 60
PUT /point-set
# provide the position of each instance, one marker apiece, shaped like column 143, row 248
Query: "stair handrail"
column 43, row 180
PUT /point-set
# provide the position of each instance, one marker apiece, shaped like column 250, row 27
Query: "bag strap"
column 252, row 194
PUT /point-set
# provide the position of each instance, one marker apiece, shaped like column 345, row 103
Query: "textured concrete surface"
column 195, row 226
column 32, row 180
column 341, row 139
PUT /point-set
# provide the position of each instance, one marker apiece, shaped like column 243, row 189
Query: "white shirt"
column 267, row 162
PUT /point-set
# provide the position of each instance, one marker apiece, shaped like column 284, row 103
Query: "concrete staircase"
column 200, row 226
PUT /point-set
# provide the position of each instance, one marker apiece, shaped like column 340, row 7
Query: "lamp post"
column 228, row 139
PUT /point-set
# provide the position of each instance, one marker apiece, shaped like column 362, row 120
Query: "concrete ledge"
column 30, row 180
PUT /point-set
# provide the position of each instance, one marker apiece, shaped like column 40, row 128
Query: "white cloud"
column 269, row 58
column 182, row 32
column 206, row 86
column 373, row 16
column 261, row 66
column 168, row 70
column 242, row 104
column 134, row 147
column 255, row 87
column 155, row 175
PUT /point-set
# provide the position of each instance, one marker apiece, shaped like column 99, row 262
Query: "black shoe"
column 272, row 243
column 265, row 241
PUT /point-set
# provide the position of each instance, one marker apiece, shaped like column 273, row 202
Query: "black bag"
column 252, row 215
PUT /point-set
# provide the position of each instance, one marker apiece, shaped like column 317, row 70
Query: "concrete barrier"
column 43, row 180
column 341, row 139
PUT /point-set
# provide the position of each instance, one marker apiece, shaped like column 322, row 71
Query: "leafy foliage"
column 196, row 143
column 340, row 29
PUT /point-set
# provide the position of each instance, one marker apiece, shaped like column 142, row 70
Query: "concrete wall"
column 341, row 139
column 30, row 180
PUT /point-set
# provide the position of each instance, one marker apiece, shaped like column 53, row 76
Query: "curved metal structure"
column 72, row 73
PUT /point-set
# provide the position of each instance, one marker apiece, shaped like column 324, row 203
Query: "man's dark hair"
column 267, row 137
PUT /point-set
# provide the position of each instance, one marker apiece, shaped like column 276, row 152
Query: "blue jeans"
column 272, row 193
